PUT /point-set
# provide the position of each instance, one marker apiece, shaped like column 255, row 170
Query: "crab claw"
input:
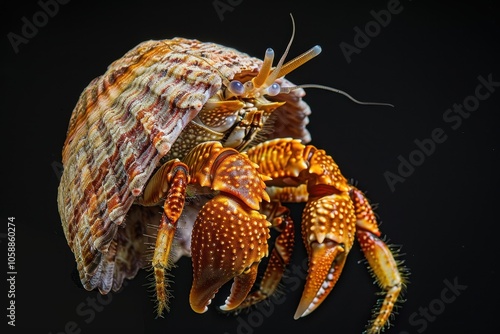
column 228, row 241
column 328, row 233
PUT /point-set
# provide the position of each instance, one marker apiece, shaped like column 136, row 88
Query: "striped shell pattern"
column 124, row 123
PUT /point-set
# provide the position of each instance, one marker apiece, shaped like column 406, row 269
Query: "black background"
column 427, row 59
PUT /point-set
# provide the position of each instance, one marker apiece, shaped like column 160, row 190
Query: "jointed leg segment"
column 168, row 183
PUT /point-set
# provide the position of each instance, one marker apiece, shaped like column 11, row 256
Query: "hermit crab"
column 187, row 148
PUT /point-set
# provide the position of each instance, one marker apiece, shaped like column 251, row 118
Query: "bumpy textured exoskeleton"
column 229, row 236
column 218, row 140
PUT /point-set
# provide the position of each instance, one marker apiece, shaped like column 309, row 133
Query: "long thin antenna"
column 335, row 90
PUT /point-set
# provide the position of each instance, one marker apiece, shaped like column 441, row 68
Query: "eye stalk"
column 263, row 75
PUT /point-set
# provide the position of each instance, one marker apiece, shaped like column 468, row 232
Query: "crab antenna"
column 287, row 90
column 260, row 79
column 274, row 74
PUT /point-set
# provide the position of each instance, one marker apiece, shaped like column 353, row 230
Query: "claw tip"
column 225, row 307
column 301, row 312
